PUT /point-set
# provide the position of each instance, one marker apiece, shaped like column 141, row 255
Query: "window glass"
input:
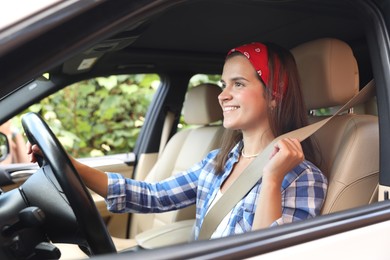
column 99, row 116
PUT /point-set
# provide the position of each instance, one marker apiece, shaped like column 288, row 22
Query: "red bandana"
column 257, row 54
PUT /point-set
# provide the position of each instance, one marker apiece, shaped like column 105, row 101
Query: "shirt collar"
column 235, row 152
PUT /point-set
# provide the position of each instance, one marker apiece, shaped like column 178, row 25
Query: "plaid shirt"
column 303, row 193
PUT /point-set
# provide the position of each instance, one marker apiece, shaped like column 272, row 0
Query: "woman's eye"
column 238, row 84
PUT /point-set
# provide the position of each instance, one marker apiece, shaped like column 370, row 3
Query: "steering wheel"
column 80, row 200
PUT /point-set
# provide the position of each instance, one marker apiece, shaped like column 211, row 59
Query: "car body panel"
column 335, row 247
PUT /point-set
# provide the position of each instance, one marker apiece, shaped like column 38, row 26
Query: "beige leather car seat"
column 187, row 147
column 349, row 145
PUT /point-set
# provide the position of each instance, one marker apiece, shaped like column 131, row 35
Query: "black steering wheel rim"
column 80, row 200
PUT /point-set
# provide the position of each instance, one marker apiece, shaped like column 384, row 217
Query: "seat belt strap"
column 253, row 172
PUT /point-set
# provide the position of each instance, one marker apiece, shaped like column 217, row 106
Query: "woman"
column 261, row 99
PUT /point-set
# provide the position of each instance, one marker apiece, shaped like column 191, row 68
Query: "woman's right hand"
column 287, row 154
column 33, row 151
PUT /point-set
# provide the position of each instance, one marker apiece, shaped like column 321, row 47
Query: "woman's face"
column 242, row 99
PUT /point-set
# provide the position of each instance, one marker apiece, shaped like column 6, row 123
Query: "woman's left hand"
column 287, row 154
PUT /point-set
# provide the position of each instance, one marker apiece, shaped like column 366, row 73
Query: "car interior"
column 184, row 149
column 330, row 78
column 334, row 63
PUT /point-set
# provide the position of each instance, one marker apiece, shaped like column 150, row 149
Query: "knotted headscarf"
column 257, row 54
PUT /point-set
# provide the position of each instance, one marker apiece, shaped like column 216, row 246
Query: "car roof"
column 170, row 36
column 208, row 29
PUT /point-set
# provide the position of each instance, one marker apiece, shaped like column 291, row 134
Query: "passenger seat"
column 187, row 147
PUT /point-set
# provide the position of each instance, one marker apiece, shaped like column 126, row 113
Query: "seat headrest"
column 328, row 71
column 201, row 106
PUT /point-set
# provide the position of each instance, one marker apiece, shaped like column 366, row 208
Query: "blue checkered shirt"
column 303, row 193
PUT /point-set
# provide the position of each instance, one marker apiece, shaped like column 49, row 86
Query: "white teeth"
column 229, row 108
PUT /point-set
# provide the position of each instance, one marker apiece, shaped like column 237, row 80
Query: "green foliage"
column 203, row 78
column 99, row 116
column 323, row 112
column 102, row 116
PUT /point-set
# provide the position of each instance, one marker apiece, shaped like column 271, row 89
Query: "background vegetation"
column 102, row 116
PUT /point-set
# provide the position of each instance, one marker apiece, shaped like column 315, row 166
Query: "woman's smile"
column 227, row 109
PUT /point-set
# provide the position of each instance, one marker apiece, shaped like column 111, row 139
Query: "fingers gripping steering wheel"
column 80, row 200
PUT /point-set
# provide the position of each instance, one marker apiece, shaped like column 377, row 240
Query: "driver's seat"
column 349, row 144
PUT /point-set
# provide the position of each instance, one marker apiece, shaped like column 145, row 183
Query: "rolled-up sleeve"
column 116, row 193
column 128, row 195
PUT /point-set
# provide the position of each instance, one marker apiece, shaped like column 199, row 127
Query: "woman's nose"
column 225, row 94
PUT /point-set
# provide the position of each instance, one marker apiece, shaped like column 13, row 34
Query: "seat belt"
column 253, row 172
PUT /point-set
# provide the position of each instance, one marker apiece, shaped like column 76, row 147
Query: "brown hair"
column 290, row 112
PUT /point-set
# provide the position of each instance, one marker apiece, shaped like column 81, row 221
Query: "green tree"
column 99, row 116
column 104, row 115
